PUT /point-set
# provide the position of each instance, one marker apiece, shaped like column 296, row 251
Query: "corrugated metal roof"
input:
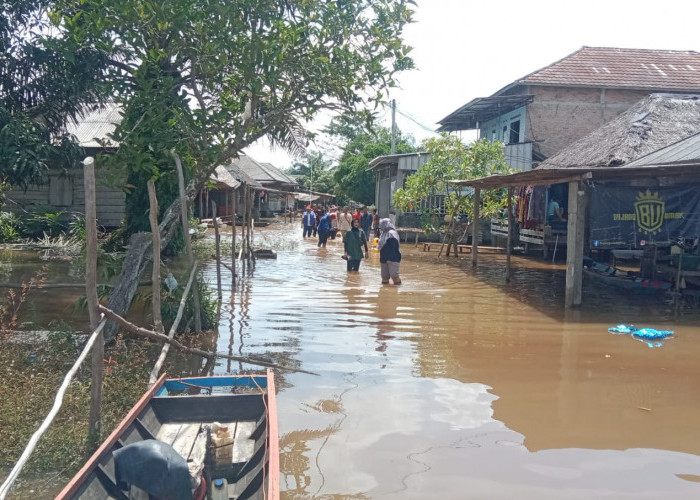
column 96, row 125
column 622, row 68
column 482, row 109
column 686, row 150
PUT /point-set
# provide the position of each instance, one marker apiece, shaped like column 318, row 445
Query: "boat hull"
column 180, row 412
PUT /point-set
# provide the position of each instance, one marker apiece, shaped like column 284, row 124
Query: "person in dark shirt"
column 353, row 241
column 389, row 253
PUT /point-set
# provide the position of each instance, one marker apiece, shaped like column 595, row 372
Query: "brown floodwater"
column 458, row 385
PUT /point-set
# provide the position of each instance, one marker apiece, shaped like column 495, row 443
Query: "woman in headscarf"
column 353, row 241
column 389, row 254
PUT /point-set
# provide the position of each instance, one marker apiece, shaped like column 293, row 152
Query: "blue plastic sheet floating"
column 652, row 337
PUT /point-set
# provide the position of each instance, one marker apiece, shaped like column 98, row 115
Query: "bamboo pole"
column 92, row 299
column 95, row 337
column 155, row 275
column 188, row 242
column 137, row 330
column 217, row 243
column 509, row 241
column 171, row 333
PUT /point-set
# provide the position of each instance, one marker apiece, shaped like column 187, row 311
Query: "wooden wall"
column 65, row 192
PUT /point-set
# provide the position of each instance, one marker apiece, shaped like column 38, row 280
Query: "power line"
column 414, row 120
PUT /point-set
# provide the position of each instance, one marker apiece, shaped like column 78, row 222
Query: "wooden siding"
column 65, row 192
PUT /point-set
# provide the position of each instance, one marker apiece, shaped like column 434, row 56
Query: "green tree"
column 450, row 159
column 314, row 175
column 352, row 179
column 40, row 89
column 207, row 79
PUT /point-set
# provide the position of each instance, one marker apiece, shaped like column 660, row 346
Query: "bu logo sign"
column 649, row 209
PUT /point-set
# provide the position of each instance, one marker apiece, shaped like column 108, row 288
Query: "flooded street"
column 455, row 385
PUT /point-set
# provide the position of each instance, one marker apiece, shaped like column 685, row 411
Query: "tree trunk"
column 137, row 258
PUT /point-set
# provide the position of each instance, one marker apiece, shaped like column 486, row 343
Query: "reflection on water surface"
column 456, row 385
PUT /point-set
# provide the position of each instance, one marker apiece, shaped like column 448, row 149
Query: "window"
column 514, row 132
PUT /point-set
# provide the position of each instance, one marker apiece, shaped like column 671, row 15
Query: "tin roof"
column 96, row 125
column 684, row 151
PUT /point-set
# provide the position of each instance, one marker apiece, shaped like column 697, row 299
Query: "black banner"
column 631, row 217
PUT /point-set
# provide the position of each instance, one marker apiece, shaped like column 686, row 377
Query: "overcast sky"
column 465, row 49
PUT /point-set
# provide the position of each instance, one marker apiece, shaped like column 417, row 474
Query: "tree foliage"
column 314, row 174
column 209, row 78
column 41, row 88
column 451, row 159
column 353, row 180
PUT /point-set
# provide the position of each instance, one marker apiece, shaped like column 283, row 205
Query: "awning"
column 482, row 109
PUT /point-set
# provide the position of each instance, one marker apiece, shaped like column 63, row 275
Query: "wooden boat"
column 180, row 414
column 621, row 279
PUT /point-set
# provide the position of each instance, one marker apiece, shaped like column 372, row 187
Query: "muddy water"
column 455, row 385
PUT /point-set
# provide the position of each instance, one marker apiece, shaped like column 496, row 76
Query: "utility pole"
column 393, row 126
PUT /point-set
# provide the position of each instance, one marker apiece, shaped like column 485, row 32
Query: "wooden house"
column 224, row 190
column 390, row 173
column 63, row 189
column 274, row 197
column 542, row 113
column 631, row 185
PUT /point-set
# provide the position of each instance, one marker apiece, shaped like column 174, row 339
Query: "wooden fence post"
column 509, row 241
column 92, row 299
column 475, row 226
column 217, row 243
column 233, row 239
column 188, row 242
column 155, row 274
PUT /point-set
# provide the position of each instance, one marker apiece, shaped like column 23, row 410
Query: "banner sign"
column 631, row 217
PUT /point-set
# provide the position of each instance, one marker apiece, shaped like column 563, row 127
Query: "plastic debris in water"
column 171, row 282
column 651, row 336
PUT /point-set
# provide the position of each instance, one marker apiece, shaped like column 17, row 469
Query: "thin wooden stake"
column 244, row 229
column 92, row 299
column 509, row 241
column 217, row 242
column 475, row 227
column 155, row 275
column 233, row 239
column 188, row 241
column 178, row 317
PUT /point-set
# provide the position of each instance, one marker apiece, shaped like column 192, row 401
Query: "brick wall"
column 561, row 115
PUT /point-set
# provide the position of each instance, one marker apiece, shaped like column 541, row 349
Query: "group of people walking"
column 356, row 230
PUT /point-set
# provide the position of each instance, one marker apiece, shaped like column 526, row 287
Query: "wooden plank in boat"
column 168, row 433
column 185, row 440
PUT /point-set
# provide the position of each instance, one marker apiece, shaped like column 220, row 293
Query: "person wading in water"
column 389, row 254
column 353, row 241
